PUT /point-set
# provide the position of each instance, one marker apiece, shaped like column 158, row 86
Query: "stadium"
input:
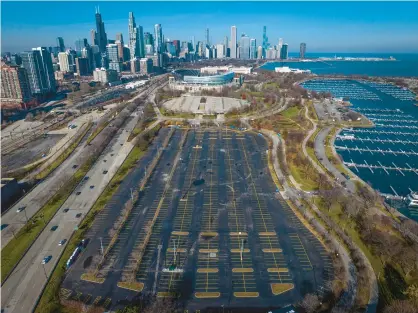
column 194, row 79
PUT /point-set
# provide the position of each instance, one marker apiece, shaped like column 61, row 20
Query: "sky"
column 380, row 27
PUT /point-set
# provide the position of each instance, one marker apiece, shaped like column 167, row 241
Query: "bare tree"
column 310, row 303
column 401, row 306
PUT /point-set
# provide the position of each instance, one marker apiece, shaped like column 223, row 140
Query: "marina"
column 385, row 156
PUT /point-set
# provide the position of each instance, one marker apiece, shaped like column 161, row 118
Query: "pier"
column 392, row 120
column 378, row 150
column 397, row 126
column 392, row 141
column 378, row 110
column 384, row 132
column 382, row 167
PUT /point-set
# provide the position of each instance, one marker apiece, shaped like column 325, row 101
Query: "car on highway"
column 78, row 215
column 54, row 228
column 20, row 209
column 3, row 226
column 66, row 210
column 75, row 166
column 92, row 186
column 86, row 178
column 78, row 193
column 104, row 172
column 62, row 242
column 46, row 259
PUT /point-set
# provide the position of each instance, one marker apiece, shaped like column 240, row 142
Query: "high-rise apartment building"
column 83, row 66
column 233, row 47
column 253, row 48
column 48, row 68
column 87, row 52
column 32, row 62
column 119, row 42
column 259, row 52
column 80, row 44
column 284, row 52
column 101, row 37
column 302, row 50
column 244, row 47
column 146, row 66
column 158, row 36
column 64, row 61
column 60, row 44
column 113, row 57
column 220, row 51
column 15, row 88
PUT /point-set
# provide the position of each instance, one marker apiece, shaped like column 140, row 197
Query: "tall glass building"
column 253, row 49
column 158, row 35
column 233, row 50
column 283, row 52
column 244, row 47
column 101, row 37
column 302, row 50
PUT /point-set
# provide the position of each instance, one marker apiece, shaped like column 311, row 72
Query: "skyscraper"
column 233, row 47
column 48, row 68
column 60, row 44
column 38, row 65
column 302, row 50
column 140, row 32
column 259, row 52
column 64, row 61
column 80, row 44
column 158, row 36
column 207, row 37
column 82, row 65
column 101, row 37
column 133, row 36
column 253, row 48
column 93, row 37
column 149, row 40
column 220, row 51
column 283, row 52
column 113, row 56
column 244, row 47
column 279, row 48
column 265, row 41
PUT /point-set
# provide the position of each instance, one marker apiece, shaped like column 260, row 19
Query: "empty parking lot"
column 209, row 226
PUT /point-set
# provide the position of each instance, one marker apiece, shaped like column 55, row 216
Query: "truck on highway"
column 82, row 244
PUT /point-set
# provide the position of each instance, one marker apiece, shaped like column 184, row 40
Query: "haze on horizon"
column 368, row 27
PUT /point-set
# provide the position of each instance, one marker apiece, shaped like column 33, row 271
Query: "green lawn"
column 291, row 112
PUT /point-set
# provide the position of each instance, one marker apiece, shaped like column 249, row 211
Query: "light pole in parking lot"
column 132, row 197
column 101, row 245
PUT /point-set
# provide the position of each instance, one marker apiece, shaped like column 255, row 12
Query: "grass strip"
column 97, row 131
column 13, row 252
column 49, row 301
column 61, row 158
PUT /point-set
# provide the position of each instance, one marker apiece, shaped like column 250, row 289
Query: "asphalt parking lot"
column 222, row 234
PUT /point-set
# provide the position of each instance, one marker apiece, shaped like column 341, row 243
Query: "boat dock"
column 382, row 167
column 384, row 132
column 378, row 150
column 392, row 141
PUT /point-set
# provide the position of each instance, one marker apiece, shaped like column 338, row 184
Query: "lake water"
column 405, row 65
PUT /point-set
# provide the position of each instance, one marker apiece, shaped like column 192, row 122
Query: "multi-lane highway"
column 22, row 289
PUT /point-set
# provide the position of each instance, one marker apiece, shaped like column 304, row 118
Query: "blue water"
column 393, row 111
column 405, row 65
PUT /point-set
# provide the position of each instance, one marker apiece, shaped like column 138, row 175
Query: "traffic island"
column 279, row 288
column 131, row 285
column 92, row 278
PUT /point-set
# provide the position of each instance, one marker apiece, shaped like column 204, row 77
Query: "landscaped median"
column 13, row 252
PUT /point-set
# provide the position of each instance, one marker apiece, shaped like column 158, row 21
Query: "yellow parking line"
column 272, row 250
column 244, row 234
column 209, row 234
column 278, row 270
column 207, row 294
column 239, row 250
column 208, row 250
column 267, row 233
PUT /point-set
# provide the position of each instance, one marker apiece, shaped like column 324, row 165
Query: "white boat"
column 413, row 199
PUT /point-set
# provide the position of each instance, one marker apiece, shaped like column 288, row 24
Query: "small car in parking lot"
column 92, row 186
column 86, row 178
column 46, row 259
column 78, row 193
column 20, row 209
column 62, row 242
column 75, row 166
column 54, row 228
column 78, row 215
column 104, row 172
column 66, row 210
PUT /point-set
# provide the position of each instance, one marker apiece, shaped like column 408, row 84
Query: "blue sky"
column 324, row 26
